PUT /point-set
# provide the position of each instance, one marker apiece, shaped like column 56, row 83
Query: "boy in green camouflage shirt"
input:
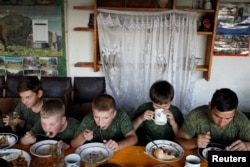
column 161, row 94
column 218, row 122
column 53, row 124
column 106, row 124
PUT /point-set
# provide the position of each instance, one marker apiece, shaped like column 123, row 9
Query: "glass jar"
column 162, row 3
column 208, row 4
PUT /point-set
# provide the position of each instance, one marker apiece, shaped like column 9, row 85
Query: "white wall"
column 231, row 72
column 80, row 45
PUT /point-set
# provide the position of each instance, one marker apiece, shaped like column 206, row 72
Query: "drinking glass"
column 90, row 164
column 13, row 118
column 58, row 156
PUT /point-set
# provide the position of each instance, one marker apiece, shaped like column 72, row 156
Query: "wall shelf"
column 84, row 64
column 84, row 29
column 87, row 64
column 201, row 68
column 204, row 33
column 84, row 7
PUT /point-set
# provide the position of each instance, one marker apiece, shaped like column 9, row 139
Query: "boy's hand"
column 147, row 115
column 28, row 138
column 169, row 116
column 6, row 120
column 87, row 134
column 238, row 145
column 112, row 144
column 203, row 140
column 64, row 145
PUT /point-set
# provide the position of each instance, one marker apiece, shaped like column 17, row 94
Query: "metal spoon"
column 41, row 135
column 45, row 135
column 150, row 139
column 100, row 131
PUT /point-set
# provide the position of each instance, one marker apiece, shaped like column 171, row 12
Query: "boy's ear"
column 115, row 112
column 64, row 119
column 209, row 106
column 40, row 93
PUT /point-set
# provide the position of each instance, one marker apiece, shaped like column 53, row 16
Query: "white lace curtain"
column 139, row 48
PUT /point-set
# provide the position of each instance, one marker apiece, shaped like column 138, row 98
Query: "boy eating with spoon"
column 106, row 124
column 53, row 124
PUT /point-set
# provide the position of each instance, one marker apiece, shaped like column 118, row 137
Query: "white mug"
column 159, row 117
column 192, row 161
column 72, row 160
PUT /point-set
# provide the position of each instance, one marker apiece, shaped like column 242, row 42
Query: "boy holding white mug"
column 151, row 124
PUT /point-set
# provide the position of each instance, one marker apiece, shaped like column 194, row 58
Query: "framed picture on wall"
column 232, row 45
column 22, row 46
column 233, row 30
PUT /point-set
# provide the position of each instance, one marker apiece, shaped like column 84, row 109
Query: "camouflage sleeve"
column 190, row 123
column 244, row 127
column 178, row 116
column 125, row 123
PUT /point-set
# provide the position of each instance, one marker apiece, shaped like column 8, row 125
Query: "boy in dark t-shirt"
column 30, row 92
column 161, row 94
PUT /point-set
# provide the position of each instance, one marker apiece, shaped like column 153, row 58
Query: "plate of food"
column 16, row 157
column 164, row 150
column 7, row 140
column 43, row 148
column 203, row 152
column 94, row 152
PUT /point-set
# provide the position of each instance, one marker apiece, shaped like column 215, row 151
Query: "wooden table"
column 132, row 156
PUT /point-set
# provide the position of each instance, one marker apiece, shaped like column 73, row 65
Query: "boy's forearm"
column 128, row 141
column 175, row 128
column 77, row 141
column 137, row 122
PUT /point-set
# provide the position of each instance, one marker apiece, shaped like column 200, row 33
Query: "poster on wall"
column 31, row 40
column 233, row 30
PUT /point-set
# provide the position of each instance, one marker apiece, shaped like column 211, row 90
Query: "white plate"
column 95, row 152
column 12, row 139
column 8, row 153
column 42, row 148
column 165, row 144
column 203, row 152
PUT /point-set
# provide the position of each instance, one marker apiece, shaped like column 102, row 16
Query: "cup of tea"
column 72, row 160
column 192, row 161
column 159, row 117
